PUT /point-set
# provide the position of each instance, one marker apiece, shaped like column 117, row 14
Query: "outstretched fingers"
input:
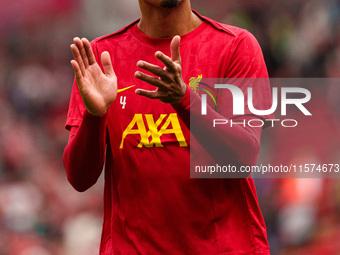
column 77, row 57
column 107, row 64
column 77, row 72
column 154, row 69
column 89, row 53
column 82, row 51
column 174, row 48
column 167, row 61
column 174, row 62
column 152, row 94
column 150, row 79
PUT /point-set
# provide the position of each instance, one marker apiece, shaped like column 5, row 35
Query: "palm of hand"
column 97, row 88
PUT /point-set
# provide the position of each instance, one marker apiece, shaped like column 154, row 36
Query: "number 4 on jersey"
column 123, row 101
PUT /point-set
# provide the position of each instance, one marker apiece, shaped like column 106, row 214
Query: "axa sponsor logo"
column 151, row 130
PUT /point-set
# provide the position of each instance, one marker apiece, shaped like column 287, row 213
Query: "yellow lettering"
column 176, row 129
column 153, row 130
column 141, row 130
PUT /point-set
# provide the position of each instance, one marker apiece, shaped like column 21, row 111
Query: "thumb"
column 174, row 48
column 106, row 63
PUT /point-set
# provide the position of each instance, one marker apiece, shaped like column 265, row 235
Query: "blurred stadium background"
column 40, row 214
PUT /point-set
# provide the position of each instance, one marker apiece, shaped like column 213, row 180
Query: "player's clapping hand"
column 170, row 87
column 98, row 89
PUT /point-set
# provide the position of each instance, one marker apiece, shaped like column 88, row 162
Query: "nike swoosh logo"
column 121, row 90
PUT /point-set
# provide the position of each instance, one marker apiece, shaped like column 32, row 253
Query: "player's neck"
column 168, row 22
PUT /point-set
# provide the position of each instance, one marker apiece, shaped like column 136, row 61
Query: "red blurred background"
column 41, row 214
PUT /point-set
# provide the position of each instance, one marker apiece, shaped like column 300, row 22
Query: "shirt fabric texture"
column 151, row 205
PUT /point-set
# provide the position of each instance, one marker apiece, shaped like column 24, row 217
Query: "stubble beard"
column 169, row 3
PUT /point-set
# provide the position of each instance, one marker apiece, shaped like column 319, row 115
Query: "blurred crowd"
column 41, row 214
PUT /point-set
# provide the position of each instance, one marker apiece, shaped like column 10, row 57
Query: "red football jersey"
column 151, row 205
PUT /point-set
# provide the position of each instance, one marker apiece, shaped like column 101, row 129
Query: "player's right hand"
column 98, row 89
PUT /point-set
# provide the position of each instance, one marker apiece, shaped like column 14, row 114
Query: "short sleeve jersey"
column 151, row 205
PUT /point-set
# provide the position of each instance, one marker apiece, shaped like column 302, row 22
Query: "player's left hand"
column 170, row 85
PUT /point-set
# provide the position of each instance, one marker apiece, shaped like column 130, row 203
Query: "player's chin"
column 169, row 3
